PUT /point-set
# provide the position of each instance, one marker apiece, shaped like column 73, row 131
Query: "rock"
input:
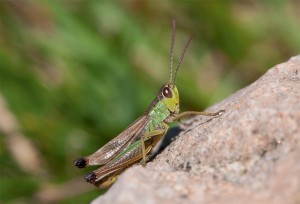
column 250, row 154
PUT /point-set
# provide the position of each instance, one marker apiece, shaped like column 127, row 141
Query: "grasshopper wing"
column 115, row 146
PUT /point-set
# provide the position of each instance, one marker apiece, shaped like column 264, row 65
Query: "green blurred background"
column 74, row 73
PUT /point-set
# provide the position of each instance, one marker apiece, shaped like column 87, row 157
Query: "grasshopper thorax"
column 170, row 97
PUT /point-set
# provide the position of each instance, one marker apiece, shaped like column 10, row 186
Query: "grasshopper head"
column 169, row 93
column 170, row 97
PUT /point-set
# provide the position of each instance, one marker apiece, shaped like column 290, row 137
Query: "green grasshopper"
column 135, row 143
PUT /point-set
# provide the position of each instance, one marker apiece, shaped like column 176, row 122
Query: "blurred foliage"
column 75, row 73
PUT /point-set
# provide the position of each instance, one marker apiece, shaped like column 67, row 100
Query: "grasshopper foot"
column 220, row 112
column 90, row 177
column 80, row 163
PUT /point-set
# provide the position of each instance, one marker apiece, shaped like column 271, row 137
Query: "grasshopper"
column 135, row 143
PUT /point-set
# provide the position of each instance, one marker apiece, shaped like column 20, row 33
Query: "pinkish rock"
column 250, row 154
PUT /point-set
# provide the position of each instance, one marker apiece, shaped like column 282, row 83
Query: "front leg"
column 189, row 113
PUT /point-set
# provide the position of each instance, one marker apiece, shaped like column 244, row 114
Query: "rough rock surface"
column 250, row 154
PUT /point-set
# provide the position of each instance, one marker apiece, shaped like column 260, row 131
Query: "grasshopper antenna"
column 182, row 55
column 171, row 52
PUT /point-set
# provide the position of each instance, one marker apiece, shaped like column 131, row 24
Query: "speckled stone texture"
column 250, row 154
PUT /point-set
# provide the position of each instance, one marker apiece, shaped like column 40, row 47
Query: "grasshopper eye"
column 167, row 92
